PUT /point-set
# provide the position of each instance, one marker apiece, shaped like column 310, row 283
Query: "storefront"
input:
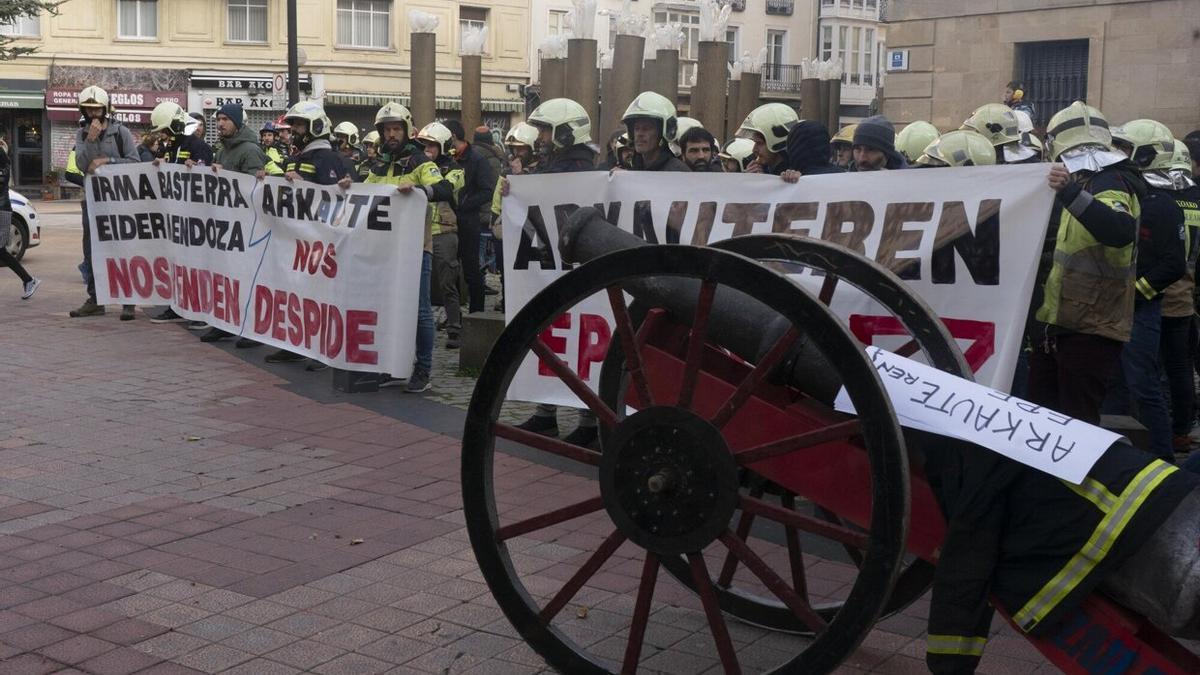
column 253, row 91
column 23, row 126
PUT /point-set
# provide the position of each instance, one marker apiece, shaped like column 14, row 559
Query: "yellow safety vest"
column 1177, row 299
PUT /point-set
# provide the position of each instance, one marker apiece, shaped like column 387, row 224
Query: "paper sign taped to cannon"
column 967, row 240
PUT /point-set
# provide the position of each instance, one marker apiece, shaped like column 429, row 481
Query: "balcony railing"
column 781, row 77
column 780, row 7
column 738, row 5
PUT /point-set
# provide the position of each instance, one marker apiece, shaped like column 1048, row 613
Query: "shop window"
column 23, row 26
column 247, row 20
column 137, row 19
column 364, row 23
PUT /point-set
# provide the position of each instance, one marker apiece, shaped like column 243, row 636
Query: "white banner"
column 967, row 240
column 313, row 269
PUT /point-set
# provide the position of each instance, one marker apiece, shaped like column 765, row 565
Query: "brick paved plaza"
column 169, row 506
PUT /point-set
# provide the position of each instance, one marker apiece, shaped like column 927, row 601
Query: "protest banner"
column 967, row 240
column 327, row 273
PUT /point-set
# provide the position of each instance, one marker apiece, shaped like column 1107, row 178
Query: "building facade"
column 1131, row 59
column 851, row 30
column 355, row 56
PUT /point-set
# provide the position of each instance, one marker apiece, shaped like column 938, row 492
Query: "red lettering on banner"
column 312, row 321
column 333, row 332
column 557, row 344
column 357, row 337
column 594, row 335
column 118, row 277
column 295, row 330
column 280, row 301
column 982, row 334
column 205, row 291
column 162, row 274
column 143, row 278
column 262, row 309
column 315, row 256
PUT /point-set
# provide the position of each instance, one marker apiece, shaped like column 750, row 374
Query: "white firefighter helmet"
column 568, row 122
column 438, row 134
column 914, row 138
column 1151, row 143
column 650, row 105
column 312, row 112
column 394, row 112
column 94, row 96
column 1076, row 125
column 997, row 122
column 1181, row 159
column 772, row 121
column 348, row 130
column 169, row 116
column 740, row 150
column 963, row 147
column 372, row 138
column 522, row 133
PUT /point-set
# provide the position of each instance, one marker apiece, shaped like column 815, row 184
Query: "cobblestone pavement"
column 167, row 506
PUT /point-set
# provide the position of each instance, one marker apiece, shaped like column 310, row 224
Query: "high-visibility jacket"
column 442, row 218
column 414, row 168
column 1178, row 301
column 1090, row 285
column 275, row 161
column 1036, row 544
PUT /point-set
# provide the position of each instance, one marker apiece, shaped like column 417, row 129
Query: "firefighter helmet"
column 1181, row 159
column 740, row 150
column 650, row 105
column 963, row 147
column 1076, row 125
column 1151, row 143
column 522, row 133
column 313, row 113
column 914, row 138
column 437, row 134
column 92, row 97
column 996, row 122
column 372, row 138
column 772, row 121
column 348, row 130
column 568, row 122
column 684, row 123
column 846, row 135
column 169, row 116
column 394, row 112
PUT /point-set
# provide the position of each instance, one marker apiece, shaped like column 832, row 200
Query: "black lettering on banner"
column 896, row 239
column 861, row 218
column 675, row 218
column 924, row 396
column 1028, row 407
column 1000, row 395
column 527, row 250
column 744, row 216
column 643, row 222
column 102, row 190
column 1037, row 442
column 791, row 212
column 357, row 202
column 612, row 214
column 284, row 208
column 706, row 214
column 985, row 419
column 1012, row 427
column 979, row 249
column 1060, row 451
column 1058, row 418
column 305, row 197
column 970, row 409
column 377, row 213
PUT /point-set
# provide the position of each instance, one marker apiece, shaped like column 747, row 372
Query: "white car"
column 26, row 228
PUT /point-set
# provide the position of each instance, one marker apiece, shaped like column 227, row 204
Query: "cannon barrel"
column 737, row 322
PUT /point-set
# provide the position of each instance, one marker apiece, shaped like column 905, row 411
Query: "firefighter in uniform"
column 370, row 146
column 651, row 124
column 275, row 156
column 1000, row 125
column 842, row 146
column 443, row 228
column 403, row 163
column 172, row 121
column 958, row 148
column 521, row 142
column 1085, row 283
column 737, row 155
column 768, row 126
column 345, row 142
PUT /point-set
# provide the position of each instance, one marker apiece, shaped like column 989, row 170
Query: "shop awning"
column 16, row 98
column 442, row 102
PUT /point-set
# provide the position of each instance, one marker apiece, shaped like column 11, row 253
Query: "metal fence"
column 781, row 77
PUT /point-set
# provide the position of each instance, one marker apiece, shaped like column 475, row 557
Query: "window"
column 851, row 67
column 776, row 49
column 471, row 17
column 364, row 23
column 247, row 20
column 689, row 52
column 1054, row 74
column 868, row 59
column 735, row 45
column 856, row 47
column 558, row 22
column 23, row 26
column 137, row 19
column 826, row 43
column 842, row 53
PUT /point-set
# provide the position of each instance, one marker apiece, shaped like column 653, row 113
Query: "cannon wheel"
column 686, row 524
column 929, row 336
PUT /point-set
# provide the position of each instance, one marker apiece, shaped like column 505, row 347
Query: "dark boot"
column 88, row 308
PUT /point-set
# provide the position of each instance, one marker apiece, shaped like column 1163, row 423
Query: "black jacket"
column 187, row 147
column 5, row 177
column 569, row 160
column 317, row 163
column 1160, row 251
column 479, row 183
column 808, row 149
column 664, row 162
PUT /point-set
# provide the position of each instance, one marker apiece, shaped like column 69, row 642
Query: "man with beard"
column 699, row 150
column 403, row 163
column 651, row 123
column 875, row 146
column 768, row 126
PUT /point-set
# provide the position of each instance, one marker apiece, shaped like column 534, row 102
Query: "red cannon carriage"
column 722, row 465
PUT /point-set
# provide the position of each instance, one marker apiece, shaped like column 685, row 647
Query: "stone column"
column 708, row 95
column 810, row 100
column 748, row 94
column 603, row 128
column 554, row 76
column 424, row 79
column 650, row 75
column 472, row 83
column 833, row 109
column 667, row 61
column 582, row 83
column 627, row 78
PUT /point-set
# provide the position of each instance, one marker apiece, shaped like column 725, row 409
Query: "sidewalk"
column 168, row 506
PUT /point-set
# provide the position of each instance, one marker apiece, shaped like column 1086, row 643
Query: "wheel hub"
column 668, row 480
